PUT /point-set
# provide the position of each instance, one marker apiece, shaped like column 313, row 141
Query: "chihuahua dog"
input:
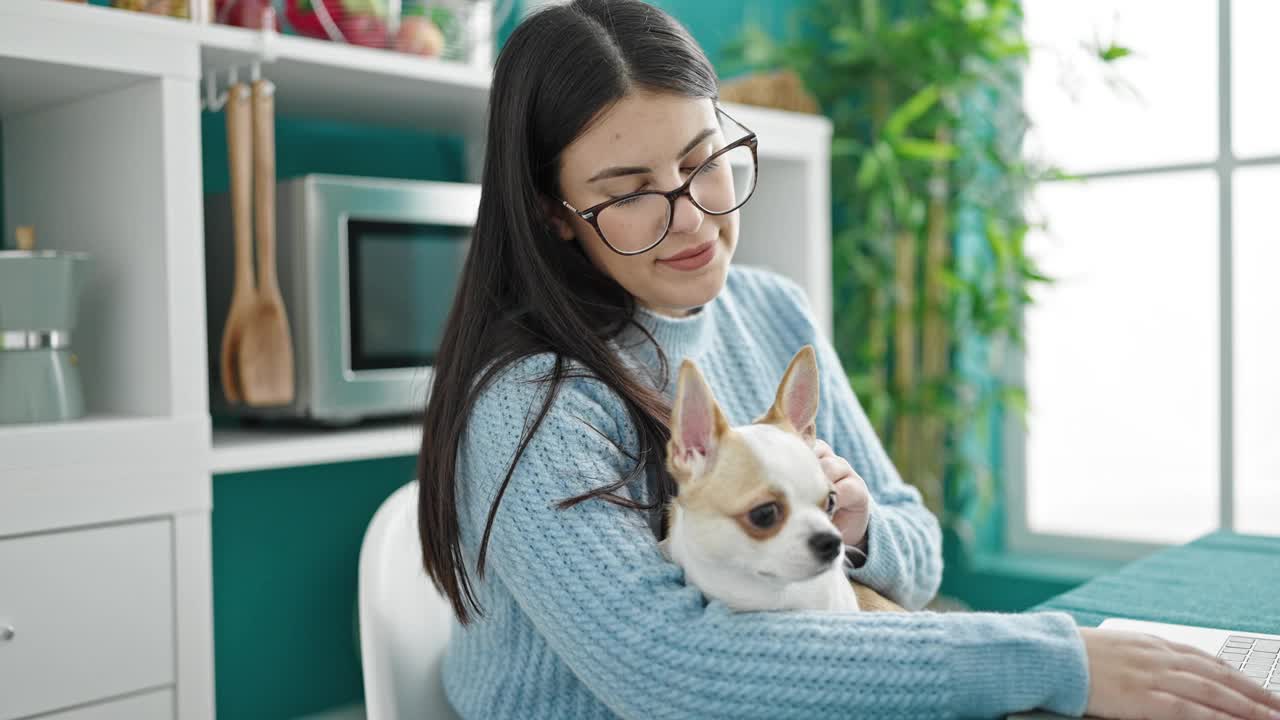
column 751, row 522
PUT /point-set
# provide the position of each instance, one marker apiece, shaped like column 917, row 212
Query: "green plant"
column 927, row 148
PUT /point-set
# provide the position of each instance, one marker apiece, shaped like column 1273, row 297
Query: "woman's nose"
column 685, row 217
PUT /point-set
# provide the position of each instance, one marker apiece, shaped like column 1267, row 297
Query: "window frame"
column 1019, row 537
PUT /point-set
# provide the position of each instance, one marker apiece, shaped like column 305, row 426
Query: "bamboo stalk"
column 880, row 302
column 904, row 354
column 881, row 305
column 935, row 357
column 893, row 308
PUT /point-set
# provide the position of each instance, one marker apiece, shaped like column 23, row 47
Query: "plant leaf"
column 1113, row 52
column 912, row 110
column 926, row 149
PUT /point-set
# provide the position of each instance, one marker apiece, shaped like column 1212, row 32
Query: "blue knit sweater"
column 583, row 618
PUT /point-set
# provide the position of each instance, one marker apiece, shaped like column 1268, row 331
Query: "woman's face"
column 650, row 141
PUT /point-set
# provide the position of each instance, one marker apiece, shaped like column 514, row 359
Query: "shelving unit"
column 357, row 84
column 101, row 132
column 101, row 129
column 263, row 449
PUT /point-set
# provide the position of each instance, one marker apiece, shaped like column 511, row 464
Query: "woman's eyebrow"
column 620, row 171
column 694, row 142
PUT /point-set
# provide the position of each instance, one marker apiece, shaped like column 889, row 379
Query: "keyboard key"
column 1237, row 657
column 1255, row 673
column 1264, row 655
column 1236, row 646
column 1241, row 638
column 1269, row 646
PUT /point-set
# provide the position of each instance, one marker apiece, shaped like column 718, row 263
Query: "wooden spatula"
column 266, row 349
column 243, row 295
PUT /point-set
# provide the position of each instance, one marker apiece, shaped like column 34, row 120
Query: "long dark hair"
column 524, row 290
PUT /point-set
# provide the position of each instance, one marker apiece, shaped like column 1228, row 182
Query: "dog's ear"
column 697, row 425
column 796, row 404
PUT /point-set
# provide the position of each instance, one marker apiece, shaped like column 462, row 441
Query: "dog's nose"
column 825, row 546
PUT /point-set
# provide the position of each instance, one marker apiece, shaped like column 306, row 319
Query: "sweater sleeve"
column 592, row 582
column 904, row 540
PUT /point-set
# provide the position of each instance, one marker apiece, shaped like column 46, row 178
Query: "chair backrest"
column 404, row 621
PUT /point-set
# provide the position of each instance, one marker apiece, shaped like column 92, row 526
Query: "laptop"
column 1253, row 653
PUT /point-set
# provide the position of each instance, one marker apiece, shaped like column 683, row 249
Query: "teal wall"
column 285, row 551
column 714, row 23
column 286, row 542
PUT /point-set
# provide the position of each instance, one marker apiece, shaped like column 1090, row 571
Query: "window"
column 1153, row 363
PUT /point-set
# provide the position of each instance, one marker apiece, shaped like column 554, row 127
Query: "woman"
column 544, row 440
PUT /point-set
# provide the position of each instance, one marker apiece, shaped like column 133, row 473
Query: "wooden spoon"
column 243, row 295
column 266, row 350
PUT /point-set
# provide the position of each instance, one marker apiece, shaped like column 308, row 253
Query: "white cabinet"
column 105, row 567
column 156, row 705
column 85, row 615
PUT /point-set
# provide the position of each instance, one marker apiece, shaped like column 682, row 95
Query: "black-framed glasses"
column 637, row 222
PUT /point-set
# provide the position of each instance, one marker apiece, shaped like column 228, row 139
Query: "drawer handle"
column 6, row 633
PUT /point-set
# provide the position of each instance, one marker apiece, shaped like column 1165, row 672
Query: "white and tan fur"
column 725, row 473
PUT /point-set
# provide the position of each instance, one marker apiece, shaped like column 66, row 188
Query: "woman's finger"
column 1196, row 661
column 835, row 468
column 852, row 494
column 1212, row 693
column 1174, row 707
column 822, row 449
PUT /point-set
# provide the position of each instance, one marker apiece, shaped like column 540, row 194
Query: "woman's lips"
column 693, row 258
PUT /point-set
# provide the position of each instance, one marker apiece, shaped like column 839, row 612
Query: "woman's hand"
column 853, row 501
column 1133, row 675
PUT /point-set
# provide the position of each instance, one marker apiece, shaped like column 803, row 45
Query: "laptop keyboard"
column 1254, row 657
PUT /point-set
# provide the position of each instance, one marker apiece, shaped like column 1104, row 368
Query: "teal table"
column 1222, row 580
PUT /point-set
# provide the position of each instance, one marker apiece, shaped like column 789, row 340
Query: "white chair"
column 404, row 621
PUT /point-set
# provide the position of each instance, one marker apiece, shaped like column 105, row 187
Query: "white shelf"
column 57, row 52
column 52, row 52
column 100, row 469
column 266, row 448
column 784, row 135
column 318, row 78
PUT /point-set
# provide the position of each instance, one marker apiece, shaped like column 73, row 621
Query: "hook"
column 214, row 101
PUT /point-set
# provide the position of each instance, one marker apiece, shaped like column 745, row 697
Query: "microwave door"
column 401, row 278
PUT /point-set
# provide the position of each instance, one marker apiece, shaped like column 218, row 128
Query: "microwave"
column 368, row 269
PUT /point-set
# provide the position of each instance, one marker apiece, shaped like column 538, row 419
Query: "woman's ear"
column 557, row 218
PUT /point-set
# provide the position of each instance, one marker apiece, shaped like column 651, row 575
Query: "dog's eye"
column 764, row 516
column 831, row 503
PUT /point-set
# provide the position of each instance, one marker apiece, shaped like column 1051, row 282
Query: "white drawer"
column 156, row 705
column 91, row 613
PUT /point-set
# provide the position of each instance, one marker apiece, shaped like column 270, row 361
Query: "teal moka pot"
column 39, row 292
